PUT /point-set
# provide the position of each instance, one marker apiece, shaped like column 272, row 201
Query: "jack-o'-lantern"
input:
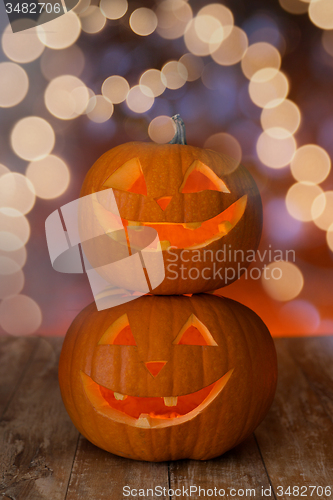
column 165, row 378
column 200, row 202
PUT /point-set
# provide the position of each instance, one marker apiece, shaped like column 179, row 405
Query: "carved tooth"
column 143, row 421
column 192, row 225
column 134, row 223
column 225, row 227
column 119, row 396
column 165, row 244
column 171, row 401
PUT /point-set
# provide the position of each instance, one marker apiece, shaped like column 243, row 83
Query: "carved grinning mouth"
column 151, row 412
column 184, row 235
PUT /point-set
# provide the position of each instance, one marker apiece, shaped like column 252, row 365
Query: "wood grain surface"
column 43, row 457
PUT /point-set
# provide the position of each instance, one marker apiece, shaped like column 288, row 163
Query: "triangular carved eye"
column 199, row 177
column 129, row 177
column 119, row 333
column 194, row 332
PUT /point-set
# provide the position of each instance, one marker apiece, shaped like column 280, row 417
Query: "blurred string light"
column 300, row 198
column 50, row 177
column 194, row 66
column 61, row 32
column 155, row 80
column 14, row 229
column 23, row 46
column 282, row 280
column 99, row 109
column 143, row 21
column 322, row 210
column 16, row 191
column 115, row 88
column 32, row 138
column 14, row 84
column 285, row 116
column 20, row 315
column 294, row 6
column 11, row 281
column 140, row 99
column 66, row 97
column 161, row 129
column 69, row 61
column 114, row 9
column 311, row 163
column 226, row 144
column 92, row 20
column 175, row 74
column 321, row 13
column 173, row 17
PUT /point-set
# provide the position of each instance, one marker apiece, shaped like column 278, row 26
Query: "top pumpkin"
column 199, row 201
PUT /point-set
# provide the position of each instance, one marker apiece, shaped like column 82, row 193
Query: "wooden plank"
column 101, row 475
column 239, row 472
column 15, row 353
column 37, row 438
column 296, row 437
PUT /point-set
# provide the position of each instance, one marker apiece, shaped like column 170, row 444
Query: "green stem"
column 179, row 137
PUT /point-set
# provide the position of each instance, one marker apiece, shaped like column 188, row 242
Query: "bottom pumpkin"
column 168, row 377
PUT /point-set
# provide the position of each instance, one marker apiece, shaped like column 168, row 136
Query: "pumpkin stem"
column 179, row 137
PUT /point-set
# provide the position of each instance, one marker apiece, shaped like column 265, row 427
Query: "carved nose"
column 154, row 367
column 163, row 202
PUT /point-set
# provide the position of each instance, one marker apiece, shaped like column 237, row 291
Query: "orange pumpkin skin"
column 164, row 169
column 233, row 377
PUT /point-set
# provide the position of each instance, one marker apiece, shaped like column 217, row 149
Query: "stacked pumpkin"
column 170, row 376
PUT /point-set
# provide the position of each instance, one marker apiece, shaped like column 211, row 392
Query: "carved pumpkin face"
column 166, row 378
column 196, row 199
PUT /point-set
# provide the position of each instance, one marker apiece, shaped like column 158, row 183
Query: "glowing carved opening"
column 199, row 177
column 154, row 367
column 194, row 332
column 129, row 177
column 163, row 202
column 150, row 412
column 119, row 333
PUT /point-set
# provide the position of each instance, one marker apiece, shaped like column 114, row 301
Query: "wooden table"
column 43, row 457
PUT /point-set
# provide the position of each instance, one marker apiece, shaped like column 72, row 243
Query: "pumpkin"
column 205, row 208
column 165, row 378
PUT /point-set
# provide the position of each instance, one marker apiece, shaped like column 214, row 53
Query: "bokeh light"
column 20, row 315
column 259, row 56
column 329, row 237
column 143, row 21
column 282, row 280
column 18, row 256
column 194, row 66
column 275, row 152
column 327, row 41
column 14, row 84
column 61, row 32
column 294, row 6
column 161, row 129
column 321, row 13
column 225, row 19
column 16, row 191
column 14, row 229
column 172, row 18
column 92, row 20
column 311, row 163
column 195, row 44
column 322, row 210
column 268, row 88
column 68, row 61
column 286, row 116
column 66, row 97
column 49, row 177
column 140, row 99
column 175, row 74
column 300, row 198
column 3, row 170
column 232, row 49
column 301, row 316
column 32, row 138
column 226, row 144
column 155, row 80
column 115, row 9
column 23, row 46
column 10, row 283
column 115, row 88
column 99, row 109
